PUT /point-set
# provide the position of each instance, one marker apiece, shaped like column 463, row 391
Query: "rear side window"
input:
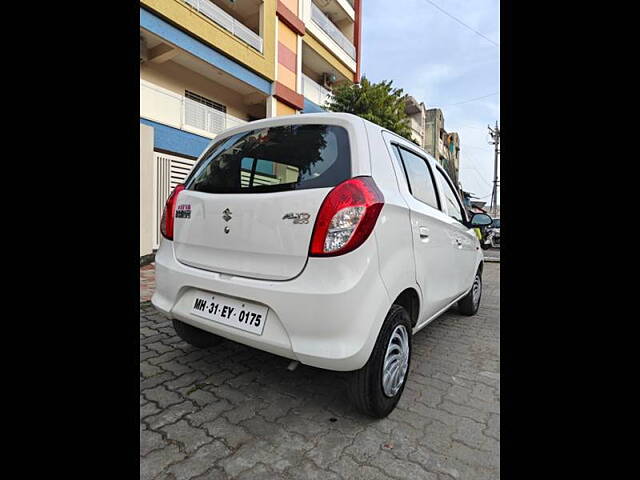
column 419, row 177
column 453, row 204
column 275, row 159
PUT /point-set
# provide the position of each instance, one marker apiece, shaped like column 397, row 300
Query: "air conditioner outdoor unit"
column 144, row 55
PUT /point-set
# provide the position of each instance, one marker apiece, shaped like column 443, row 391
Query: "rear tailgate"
column 250, row 204
column 246, row 235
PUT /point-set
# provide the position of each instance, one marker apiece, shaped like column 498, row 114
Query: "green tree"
column 379, row 103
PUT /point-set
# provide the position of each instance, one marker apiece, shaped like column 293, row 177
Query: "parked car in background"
column 322, row 238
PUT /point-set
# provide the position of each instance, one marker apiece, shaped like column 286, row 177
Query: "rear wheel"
column 471, row 302
column 194, row 336
column 376, row 388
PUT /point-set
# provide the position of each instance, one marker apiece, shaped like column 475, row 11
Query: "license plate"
column 244, row 315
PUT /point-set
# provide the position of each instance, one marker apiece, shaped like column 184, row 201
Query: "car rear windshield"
column 274, row 159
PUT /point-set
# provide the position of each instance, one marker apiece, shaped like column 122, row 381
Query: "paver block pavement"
column 232, row 412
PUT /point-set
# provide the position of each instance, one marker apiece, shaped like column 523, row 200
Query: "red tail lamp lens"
column 346, row 218
column 169, row 213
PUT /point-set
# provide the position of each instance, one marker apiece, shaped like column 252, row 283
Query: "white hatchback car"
column 322, row 238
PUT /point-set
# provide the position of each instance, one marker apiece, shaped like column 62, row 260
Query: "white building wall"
column 146, row 190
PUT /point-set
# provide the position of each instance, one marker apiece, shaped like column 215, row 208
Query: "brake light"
column 346, row 217
column 169, row 213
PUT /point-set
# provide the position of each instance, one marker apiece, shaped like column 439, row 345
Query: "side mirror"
column 480, row 220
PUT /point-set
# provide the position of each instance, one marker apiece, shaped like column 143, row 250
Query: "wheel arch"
column 410, row 300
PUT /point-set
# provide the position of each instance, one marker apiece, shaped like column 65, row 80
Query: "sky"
column 440, row 62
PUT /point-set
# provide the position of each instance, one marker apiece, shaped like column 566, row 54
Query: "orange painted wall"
column 282, row 109
column 287, row 37
column 291, row 5
column 284, row 75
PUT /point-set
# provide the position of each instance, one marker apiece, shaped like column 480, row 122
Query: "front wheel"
column 471, row 302
column 376, row 388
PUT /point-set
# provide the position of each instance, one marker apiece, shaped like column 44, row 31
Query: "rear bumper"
column 327, row 317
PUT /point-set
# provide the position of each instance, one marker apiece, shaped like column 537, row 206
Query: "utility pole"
column 495, row 135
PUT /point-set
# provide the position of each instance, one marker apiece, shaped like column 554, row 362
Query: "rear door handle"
column 424, row 232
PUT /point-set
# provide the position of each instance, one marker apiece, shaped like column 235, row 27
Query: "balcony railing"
column 330, row 29
column 314, row 92
column 167, row 107
column 226, row 21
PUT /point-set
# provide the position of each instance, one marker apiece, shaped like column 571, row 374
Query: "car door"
column 433, row 252
column 462, row 238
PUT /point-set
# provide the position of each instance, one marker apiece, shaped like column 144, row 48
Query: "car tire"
column 366, row 387
column 471, row 302
column 194, row 336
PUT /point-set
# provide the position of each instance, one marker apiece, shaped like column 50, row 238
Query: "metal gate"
column 168, row 171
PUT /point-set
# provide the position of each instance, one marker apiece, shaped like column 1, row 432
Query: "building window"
column 205, row 101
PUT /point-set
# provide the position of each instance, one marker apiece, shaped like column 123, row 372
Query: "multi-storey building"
column 443, row 145
column 427, row 130
column 417, row 113
column 207, row 65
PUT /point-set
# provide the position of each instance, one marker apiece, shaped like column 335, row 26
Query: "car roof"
column 306, row 118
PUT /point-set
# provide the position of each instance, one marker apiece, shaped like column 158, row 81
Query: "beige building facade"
column 208, row 65
column 427, row 130
column 443, row 145
column 417, row 113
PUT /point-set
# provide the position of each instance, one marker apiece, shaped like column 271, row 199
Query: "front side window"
column 274, row 159
column 419, row 177
column 453, row 204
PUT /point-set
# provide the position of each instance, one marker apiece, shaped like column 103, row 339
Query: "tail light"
column 346, row 217
column 169, row 213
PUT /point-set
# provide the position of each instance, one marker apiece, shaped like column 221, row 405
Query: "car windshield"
column 274, row 159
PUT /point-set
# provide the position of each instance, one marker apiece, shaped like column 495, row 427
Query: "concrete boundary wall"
column 146, row 190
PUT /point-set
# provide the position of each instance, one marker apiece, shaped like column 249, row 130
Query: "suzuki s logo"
column 298, row 218
column 226, row 214
column 183, row 211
